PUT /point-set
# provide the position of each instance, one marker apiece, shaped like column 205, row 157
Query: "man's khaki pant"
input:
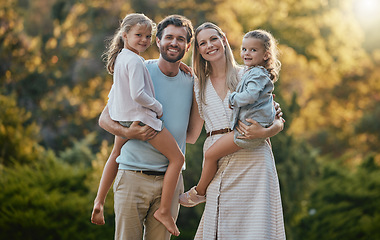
column 136, row 197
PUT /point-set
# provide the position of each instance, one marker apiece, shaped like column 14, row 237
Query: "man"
column 138, row 184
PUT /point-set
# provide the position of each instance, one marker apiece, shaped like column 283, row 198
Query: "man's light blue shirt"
column 175, row 94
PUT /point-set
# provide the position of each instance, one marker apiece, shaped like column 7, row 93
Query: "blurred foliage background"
column 53, row 86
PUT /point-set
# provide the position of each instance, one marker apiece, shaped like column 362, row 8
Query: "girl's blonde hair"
column 272, row 64
column 116, row 43
column 202, row 68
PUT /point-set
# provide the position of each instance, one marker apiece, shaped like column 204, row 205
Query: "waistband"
column 151, row 173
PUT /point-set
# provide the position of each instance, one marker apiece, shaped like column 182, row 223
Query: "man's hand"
column 135, row 131
column 143, row 133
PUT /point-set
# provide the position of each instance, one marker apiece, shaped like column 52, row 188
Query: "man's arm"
column 194, row 128
column 135, row 131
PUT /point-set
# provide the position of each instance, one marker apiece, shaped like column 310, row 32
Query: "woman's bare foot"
column 97, row 216
column 168, row 222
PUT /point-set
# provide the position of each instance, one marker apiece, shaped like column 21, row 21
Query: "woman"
column 243, row 199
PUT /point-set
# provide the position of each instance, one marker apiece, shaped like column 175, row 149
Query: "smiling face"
column 253, row 52
column 138, row 38
column 210, row 44
column 173, row 43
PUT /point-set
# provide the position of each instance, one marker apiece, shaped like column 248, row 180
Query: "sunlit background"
column 367, row 12
column 54, row 86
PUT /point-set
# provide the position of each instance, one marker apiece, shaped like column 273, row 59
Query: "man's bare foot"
column 168, row 222
column 97, row 216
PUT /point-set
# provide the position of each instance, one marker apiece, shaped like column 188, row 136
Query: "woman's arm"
column 194, row 128
column 255, row 130
column 186, row 69
column 135, row 131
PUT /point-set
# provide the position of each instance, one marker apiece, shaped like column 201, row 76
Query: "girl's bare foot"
column 97, row 216
column 168, row 222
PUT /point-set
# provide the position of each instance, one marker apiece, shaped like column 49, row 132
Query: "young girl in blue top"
column 131, row 99
column 253, row 99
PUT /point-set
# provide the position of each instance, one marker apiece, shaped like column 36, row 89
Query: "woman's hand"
column 278, row 109
column 186, row 69
column 255, row 130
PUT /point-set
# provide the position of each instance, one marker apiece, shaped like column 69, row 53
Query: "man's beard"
column 171, row 59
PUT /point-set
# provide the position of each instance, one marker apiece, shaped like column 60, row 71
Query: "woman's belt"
column 220, row 131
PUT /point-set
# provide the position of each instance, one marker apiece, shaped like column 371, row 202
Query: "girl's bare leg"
column 166, row 144
column 109, row 174
column 222, row 147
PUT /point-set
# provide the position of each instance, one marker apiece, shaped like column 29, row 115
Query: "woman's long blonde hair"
column 116, row 43
column 203, row 69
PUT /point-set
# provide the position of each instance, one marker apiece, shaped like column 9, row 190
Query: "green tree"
column 296, row 166
column 345, row 203
column 43, row 197
column 52, row 63
column 47, row 200
column 18, row 134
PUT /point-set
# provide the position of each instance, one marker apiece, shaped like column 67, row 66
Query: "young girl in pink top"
column 131, row 99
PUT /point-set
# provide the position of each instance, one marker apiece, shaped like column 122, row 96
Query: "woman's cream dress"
column 243, row 199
